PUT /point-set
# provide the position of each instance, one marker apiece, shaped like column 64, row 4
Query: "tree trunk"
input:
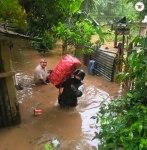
column 115, row 40
column 120, row 54
column 9, row 110
column 64, row 48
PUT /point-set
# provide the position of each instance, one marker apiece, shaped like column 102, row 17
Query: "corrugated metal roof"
column 5, row 31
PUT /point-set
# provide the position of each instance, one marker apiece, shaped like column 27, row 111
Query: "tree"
column 123, row 121
column 12, row 12
column 44, row 14
column 78, row 32
column 106, row 10
column 88, row 5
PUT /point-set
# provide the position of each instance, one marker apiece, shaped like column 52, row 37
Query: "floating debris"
column 38, row 111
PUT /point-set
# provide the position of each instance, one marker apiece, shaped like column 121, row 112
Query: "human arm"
column 77, row 92
column 40, row 76
column 44, row 82
column 63, row 84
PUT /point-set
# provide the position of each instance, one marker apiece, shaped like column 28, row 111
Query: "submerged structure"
column 9, row 108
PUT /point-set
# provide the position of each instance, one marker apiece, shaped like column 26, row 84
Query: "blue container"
column 91, row 66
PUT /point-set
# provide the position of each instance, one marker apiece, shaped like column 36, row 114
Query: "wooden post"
column 120, row 54
column 8, row 101
column 115, row 39
column 123, row 41
column 64, row 48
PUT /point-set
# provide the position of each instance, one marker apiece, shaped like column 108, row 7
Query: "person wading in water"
column 71, row 89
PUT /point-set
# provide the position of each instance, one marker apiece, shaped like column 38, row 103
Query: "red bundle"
column 67, row 65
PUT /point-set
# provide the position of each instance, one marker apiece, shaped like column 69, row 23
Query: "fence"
column 105, row 63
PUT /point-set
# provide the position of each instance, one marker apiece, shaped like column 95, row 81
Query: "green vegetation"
column 106, row 10
column 41, row 17
column 79, row 34
column 124, row 120
column 48, row 147
column 144, row 12
column 12, row 12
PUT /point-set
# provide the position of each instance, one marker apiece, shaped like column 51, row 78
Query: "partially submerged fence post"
column 115, row 39
column 105, row 63
column 9, row 113
column 120, row 54
column 9, row 110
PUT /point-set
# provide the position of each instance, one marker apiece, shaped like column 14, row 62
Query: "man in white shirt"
column 40, row 73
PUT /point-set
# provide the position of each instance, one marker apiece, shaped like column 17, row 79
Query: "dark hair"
column 79, row 73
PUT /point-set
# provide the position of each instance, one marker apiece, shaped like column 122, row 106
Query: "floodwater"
column 74, row 127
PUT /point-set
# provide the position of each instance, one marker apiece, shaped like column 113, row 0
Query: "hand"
column 41, row 81
column 46, row 83
column 73, row 87
column 60, row 90
column 49, row 71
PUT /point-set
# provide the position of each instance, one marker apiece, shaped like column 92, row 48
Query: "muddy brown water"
column 73, row 127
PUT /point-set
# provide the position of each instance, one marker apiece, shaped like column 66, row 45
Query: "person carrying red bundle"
column 71, row 89
column 68, row 79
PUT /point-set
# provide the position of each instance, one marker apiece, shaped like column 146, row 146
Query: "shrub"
column 124, row 120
